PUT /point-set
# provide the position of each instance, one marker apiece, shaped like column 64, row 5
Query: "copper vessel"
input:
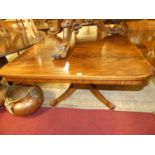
column 2, row 92
column 22, row 100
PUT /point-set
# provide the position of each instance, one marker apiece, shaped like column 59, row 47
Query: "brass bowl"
column 23, row 100
column 2, row 92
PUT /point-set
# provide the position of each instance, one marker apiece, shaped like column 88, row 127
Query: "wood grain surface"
column 113, row 60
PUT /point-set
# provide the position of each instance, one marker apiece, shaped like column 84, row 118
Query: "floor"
column 125, row 98
column 78, row 122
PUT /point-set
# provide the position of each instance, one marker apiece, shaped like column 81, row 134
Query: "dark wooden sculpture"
column 68, row 26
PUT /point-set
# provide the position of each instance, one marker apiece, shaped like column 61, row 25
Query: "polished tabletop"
column 90, row 60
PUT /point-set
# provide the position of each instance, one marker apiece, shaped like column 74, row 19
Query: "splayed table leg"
column 92, row 88
column 66, row 94
column 99, row 96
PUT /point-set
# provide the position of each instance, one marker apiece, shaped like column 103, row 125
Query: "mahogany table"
column 111, row 61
